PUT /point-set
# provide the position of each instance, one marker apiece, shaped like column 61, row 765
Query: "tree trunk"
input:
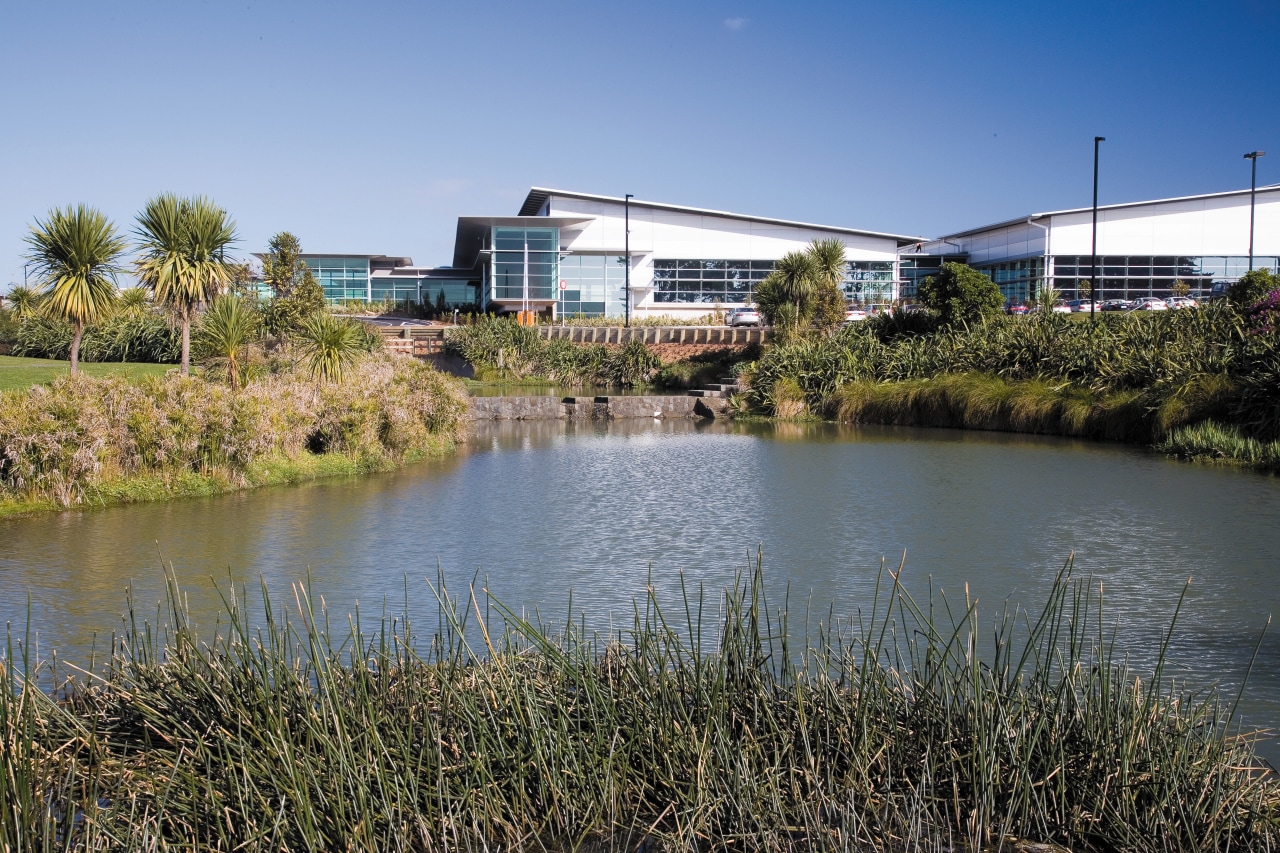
column 75, row 347
column 186, row 340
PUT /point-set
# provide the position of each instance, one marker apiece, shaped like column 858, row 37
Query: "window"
column 341, row 278
column 707, row 282
column 518, row 252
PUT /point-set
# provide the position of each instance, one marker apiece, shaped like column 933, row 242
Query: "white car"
column 1149, row 303
column 1060, row 308
column 853, row 315
column 743, row 317
column 1181, row 302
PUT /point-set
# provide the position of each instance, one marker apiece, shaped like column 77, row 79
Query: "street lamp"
column 1253, row 189
column 1093, row 265
column 626, row 240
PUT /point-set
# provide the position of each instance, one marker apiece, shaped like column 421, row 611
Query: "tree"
column 226, row 331
column 829, row 267
column 1180, row 288
column 960, row 294
column 296, row 295
column 184, row 243
column 76, row 254
column 329, row 345
column 1252, row 288
column 23, row 301
column 283, row 267
column 792, row 283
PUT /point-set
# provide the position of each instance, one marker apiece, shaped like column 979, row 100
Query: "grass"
column 17, row 373
column 707, row 725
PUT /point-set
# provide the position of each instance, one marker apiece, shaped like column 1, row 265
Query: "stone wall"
column 594, row 408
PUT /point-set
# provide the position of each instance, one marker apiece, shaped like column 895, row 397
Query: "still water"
column 535, row 510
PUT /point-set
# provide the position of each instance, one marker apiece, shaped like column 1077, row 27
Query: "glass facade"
column 341, row 278
column 593, row 285
column 512, row 249
column 707, row 282
column 1018, row 280
column 1131, row 276
column 457, row 292
column 868, row 281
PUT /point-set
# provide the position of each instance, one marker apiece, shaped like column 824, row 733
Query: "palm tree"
column 76, row 254
column 828, row 261
column 184, row 260
column 227, row 330
column 23, row 301
column 329, row 345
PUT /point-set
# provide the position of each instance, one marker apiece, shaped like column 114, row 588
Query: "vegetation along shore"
column 710, row 725
column 1201, row 384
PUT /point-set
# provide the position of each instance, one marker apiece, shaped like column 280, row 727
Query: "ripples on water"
column 537, row 509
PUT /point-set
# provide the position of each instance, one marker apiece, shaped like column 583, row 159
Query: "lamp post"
column 626, row 247
column 1253, row 189
column 1093, row 263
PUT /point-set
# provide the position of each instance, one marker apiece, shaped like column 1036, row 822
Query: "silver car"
column 743, row 317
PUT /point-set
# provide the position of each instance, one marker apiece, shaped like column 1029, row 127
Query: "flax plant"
column 76, row 254
column 227, row 330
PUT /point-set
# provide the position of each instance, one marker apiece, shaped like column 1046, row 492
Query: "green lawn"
column 18, row 372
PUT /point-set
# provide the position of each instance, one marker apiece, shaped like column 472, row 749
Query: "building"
column 566, row 254
column 387, row 278
column 1143, row 247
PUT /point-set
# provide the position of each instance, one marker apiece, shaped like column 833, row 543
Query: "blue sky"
column 369, row 127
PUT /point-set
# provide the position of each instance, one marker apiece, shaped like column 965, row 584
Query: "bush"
column 961, row 295
column 59, row 441
column 129, row 335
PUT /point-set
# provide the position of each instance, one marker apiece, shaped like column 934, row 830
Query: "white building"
column 566, row 253
column 1143, row 247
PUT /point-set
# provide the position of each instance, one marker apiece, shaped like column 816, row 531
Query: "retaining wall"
column 594, row 408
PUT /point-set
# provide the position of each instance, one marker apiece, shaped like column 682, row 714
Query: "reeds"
column 710, row 725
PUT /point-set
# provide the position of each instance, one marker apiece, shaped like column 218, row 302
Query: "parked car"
column 1084, row 306
column 1016, row 308
column 879, row 308
column 1060, row 308
column 853, row 315
column 1117, row 305
column 743, row 317
column 1149, row 303
column 1181, row 302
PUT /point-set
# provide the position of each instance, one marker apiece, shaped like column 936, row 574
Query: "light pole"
column 626, row 247
column 1253, row 189
column 1093, row 264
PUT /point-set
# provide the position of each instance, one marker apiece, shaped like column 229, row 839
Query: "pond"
column 534, row 510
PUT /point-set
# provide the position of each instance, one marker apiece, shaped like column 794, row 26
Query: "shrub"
column 57, row 441
column 127, row 335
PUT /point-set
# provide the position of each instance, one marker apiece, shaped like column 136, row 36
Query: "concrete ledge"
column 591, row 408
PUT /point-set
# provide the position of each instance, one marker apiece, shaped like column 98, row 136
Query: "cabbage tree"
column 76, row 254
column 183, row 244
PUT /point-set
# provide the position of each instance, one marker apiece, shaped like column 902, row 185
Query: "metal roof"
column 538, row 197
column 1021, row 219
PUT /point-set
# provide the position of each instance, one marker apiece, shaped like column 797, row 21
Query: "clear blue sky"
column 370, row 126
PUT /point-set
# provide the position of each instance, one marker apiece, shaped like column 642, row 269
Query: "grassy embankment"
column 711, row 728
column 1196, row 384
column 17, row 373
column 84, row 441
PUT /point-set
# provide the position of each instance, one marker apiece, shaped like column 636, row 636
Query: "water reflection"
column 535, row 509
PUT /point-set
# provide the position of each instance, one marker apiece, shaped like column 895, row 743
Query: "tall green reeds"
column 713, row 725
